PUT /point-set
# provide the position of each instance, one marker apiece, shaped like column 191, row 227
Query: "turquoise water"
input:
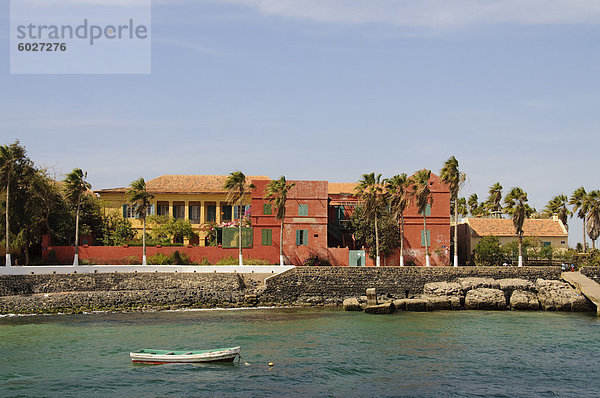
column 316, row 353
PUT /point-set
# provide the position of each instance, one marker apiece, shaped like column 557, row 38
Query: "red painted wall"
column 117, row 254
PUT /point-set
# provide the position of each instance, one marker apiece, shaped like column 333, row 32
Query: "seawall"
column 52, row 293
column 333, row 284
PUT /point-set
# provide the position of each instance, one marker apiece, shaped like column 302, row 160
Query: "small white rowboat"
column 165, row 356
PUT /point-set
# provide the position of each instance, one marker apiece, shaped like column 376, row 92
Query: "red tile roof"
column 504, row 227
column 342, row 187
column 185, row 184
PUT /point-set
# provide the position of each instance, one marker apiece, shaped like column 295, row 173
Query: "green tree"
column 516, row 205
column 473, row 203
column 370, row 193
column 388, row 233
column 116, row 230
column 423, row 198
column 559, row 205
column 494, row 201
column 451, row 175
column 488, row 251
column 167, row 230
column 12, row 157
column 76, row 186
column 140, row 198
column 593, row 216
column 277, row 192
column 237, row 188
column 579, row 203
column 397, row 188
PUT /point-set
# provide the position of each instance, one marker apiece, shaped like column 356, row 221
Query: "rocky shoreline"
column 407, row 289
column 481, row 294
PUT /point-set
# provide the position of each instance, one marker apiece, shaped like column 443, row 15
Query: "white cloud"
column 433, row 13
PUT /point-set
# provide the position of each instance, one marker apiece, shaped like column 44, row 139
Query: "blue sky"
column 332, row 89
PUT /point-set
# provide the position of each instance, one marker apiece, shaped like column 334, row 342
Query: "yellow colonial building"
column 200, row 199
column 547, row 231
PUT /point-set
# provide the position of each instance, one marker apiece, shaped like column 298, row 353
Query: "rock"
column 467, row 284
column 415, row 304
column 513, row 284
column 386, row 308
column 351, row 304
column 524, row 300
column 437, row 303
column 400, row 304
column 485, row 299
column 442, row 289
column 371, row 297
column 560, row 296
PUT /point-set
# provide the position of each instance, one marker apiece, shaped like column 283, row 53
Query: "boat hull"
column 220, row 355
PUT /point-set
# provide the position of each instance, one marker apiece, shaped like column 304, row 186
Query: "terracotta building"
column 547, row 232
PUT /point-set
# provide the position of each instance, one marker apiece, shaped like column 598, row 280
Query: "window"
column 236, row 211
column 546, row 244
column 226, row 213
column 427, row 210
column 303, row 210
column 211, row 213
column 163, row 210
column 302, row 237
column 178, row 211
column 195, row 214
column 267, row 209
column 267, row 237
column 129, row 211
column 423, row 238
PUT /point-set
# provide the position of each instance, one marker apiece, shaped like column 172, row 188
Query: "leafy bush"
column 488, row 251
column 247, row 261
column 204, row 261
column 176, row 258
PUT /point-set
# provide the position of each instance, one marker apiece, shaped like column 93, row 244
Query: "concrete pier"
column 585, row 286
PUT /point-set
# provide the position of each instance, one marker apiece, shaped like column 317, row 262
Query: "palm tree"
column 451, row 175
column 370, row 192
column 276, row 193
column 423, row 197
column 473, row 203
column 593, row 216
column 9, row 156
column 76, row 185
column 237, row 189
column 494, row 201
column 558, row 205
column 516, row 205
column 579, row 203
column 140, row 199
column 399, row 196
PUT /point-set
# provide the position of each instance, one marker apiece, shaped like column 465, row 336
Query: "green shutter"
column 267, row 237
column 303, row 210
column 298, row 237
column 267, row 209
column 124, row 211
column 423, row 238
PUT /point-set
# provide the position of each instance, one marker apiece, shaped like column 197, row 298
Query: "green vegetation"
column 176, row 258
column 249, row 261
column 140, row 198
column 276, row 193
column 370, row 192
column 166, row 230
column 451, row 175
column 237, row 188
column 399, row 199
column 387, row 231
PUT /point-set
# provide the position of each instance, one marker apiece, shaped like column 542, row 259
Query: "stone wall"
column 86, row 292
column 592, row 273
column 333, row 284
column 302, row 285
